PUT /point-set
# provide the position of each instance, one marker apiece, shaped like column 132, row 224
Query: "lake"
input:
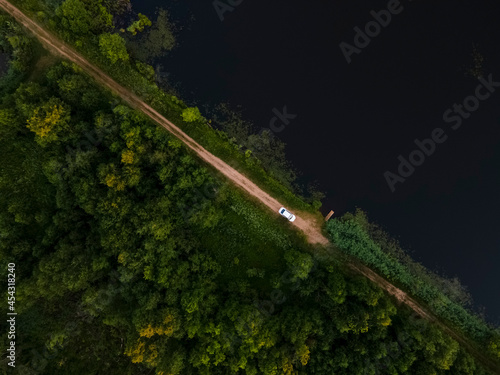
column 354, row 119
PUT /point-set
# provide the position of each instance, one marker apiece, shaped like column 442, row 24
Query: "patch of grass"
column 45, row 60
column 247, row 237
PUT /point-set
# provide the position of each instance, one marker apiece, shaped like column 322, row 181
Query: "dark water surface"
column 354, row 120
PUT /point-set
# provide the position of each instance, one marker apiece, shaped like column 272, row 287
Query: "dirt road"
column 308, row 226
column 53, row 44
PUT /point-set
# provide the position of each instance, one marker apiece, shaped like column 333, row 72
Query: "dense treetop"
column 133, row 258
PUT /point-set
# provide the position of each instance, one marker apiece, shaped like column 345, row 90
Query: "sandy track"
column 53, row 44
column 403, row 297
column 309, row 227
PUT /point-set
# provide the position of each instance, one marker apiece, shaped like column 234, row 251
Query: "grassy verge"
column 353, row 236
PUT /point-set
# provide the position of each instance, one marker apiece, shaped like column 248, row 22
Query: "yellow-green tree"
column 113, row 47
column 494, row 346
column 48, row 121
column 191, row 114
column 139, row 25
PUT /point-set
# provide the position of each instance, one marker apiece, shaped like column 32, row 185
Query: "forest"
column 133, row 257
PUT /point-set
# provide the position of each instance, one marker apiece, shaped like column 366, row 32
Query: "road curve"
column 56, row 46
column 309, row 227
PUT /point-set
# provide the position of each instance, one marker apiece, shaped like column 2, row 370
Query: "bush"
column 191, row 114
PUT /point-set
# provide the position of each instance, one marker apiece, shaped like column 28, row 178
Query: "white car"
column 284, row 212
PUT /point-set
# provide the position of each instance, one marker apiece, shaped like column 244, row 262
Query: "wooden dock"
column 329, row 216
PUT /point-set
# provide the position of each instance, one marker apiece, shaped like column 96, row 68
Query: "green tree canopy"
column 191, row 114
column 74, row 16
column 113, row 47
column 139, row 25
column 49, row 120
